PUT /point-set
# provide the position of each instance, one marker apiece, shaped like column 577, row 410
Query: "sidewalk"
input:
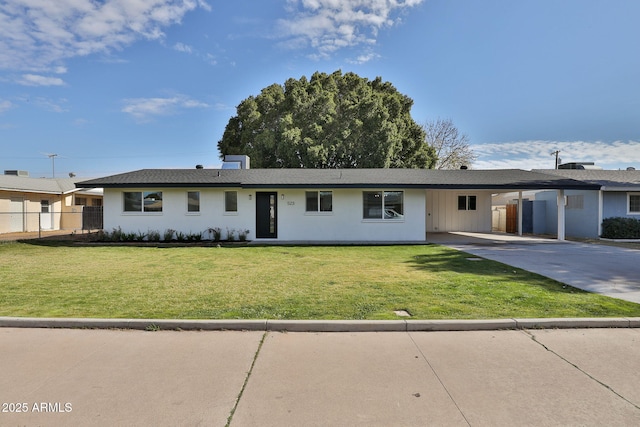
column 256, row 378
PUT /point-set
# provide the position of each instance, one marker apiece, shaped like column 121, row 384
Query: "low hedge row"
column 621, row 228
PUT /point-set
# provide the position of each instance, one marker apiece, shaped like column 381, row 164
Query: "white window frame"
column 629, row 211
column 142, row 211
column 199, row 202
column 319, row 198
column 224, row 202
column 575, row 201
column 383, row 208
column 467, row 199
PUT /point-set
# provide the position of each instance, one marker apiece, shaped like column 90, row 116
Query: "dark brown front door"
column 266, row 215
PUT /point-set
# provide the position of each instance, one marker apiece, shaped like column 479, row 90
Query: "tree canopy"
column 330, row 121
column 451, row 147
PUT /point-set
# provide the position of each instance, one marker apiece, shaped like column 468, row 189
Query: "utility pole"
column 53, row 164
column 555, row 153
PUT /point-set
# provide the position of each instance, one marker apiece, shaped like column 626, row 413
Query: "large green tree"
column 330, row 121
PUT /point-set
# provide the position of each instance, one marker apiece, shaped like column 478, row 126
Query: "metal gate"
column 92, row 218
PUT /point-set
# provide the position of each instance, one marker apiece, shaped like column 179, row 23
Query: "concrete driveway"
column 607, row 270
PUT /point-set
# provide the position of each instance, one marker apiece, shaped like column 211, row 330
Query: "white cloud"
column 361, row 59
column 41, row 34
column 330, row 25
column 181, row 47
column 144, row 109
column 51, row 105
column 538, row 154
column 5, row 105
column 38, row 80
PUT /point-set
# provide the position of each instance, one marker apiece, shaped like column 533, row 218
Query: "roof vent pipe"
column 199, row 167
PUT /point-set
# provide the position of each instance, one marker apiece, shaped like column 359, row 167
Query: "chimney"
column 236, row 162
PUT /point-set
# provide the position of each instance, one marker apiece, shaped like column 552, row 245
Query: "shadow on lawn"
column 466, row 264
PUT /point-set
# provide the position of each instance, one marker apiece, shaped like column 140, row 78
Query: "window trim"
column 468, row 202
column 382, row 215
column 629, row 211
column 319, row 210
column 199, row 203
column 142, row 211
column 224, row 202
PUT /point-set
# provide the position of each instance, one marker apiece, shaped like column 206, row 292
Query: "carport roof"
column 607, row 180
column 506, row 180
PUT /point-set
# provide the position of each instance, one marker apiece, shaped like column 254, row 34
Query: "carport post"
column 561, row 222
column 519, row 213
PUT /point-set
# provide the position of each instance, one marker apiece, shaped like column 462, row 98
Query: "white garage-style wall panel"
column 443, row 214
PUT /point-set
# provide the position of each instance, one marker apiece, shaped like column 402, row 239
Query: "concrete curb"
column 321, row 325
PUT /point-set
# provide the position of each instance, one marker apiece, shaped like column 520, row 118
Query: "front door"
column 45, row 215
column 266, row 215
column 16, row 214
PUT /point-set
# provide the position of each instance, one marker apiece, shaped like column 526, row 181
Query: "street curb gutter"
column 321, row 325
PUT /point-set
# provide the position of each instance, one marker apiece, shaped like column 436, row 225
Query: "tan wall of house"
column 64, row 214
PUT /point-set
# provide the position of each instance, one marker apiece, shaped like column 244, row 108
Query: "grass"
column 346, row 282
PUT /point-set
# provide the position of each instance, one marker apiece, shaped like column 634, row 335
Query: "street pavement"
column 106, row 377
column 608, row 270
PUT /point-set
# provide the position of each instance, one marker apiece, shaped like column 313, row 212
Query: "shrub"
column 168, row 234
column 621, row 228
column 194, row 237
column 116, row 235
column 230, row 234
column 242, row 235
column 214, row 233
column 153, row 236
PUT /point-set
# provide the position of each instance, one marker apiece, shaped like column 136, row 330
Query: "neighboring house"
column 32, row 204
column 314, row 204
column 617, row 195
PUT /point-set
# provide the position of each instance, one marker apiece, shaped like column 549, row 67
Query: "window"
column 319, row 201
column 96, row 202
column 466, row 203
column 634, row 203
column 81, row 201
column 193, row 201
column 231, row 201
column 575, row 202
column 143, row 201
column 383, row 205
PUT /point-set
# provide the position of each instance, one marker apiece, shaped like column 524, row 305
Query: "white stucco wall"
column 443, row 214
column 344, row 223
column 174, row 213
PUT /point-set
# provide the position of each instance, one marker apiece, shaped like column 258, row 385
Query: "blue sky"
column 118, row 85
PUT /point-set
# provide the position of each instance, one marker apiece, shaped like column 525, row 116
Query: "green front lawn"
column 346, row 282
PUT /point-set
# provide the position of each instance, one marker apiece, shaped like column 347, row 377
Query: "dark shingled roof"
column 508, row 179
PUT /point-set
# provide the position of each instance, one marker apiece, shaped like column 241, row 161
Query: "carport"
column 450, row 190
